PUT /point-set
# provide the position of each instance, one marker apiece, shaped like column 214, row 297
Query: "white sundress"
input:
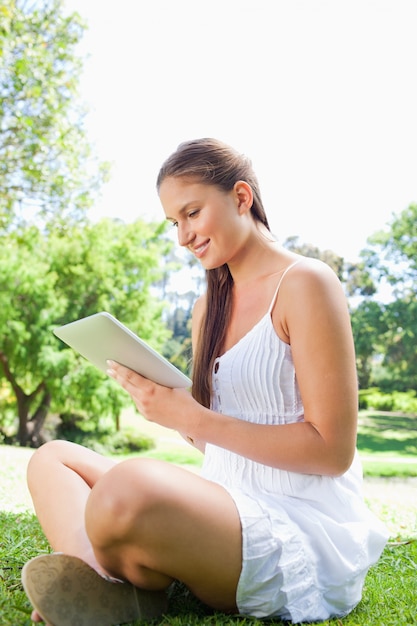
column 308, row 540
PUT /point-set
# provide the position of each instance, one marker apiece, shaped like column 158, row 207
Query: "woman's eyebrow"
column 181, row 211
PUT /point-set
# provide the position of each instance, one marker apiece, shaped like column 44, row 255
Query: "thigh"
column 171, row 524
column 49, row 458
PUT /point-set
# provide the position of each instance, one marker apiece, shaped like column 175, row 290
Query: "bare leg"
column 146, row 521
column 60, row 477
column 151, row 522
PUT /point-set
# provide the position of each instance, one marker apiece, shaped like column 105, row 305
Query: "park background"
column 320, row 94
column 322, row 97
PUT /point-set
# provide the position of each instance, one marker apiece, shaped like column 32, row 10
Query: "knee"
column 44, row 458
column 121, row 503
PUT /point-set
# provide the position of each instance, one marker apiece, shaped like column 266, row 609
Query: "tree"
column 48, row 279
column 391, row 256
column 178, row 348
column 359, row 281
column 369, row 327
column 46, row 165
column 27, row 310
column 182, row 283
column 332, row 259
column 400, row 339
column 392, row 253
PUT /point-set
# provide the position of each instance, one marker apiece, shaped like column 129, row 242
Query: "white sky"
column 320, row 94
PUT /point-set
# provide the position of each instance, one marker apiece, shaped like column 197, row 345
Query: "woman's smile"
column 200, row 249
column 205, row 217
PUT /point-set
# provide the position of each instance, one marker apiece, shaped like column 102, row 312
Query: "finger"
column 121, row 372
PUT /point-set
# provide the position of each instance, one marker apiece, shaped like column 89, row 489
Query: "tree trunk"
column 28, row 431
column 23, row 403
column 37, row 421
column 23, row 400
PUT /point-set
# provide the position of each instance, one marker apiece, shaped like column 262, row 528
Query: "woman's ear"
column 244, row 196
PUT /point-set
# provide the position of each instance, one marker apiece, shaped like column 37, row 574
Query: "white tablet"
column 101, row 337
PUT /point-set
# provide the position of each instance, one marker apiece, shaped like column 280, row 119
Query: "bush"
column 103, row 441
column 397, row 401
column 126, row 441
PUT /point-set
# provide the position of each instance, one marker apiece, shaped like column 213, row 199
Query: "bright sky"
column 320, row 94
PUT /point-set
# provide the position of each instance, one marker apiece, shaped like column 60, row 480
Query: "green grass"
column 388, row 446
column 389, row 596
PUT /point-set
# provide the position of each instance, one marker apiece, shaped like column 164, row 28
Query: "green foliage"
column 397, row 401
column 332, row 259
column 393, row 252
column 368, row 327
column 385, row 339
column 359, row 281
column 111, row 266
column 51, row 278
column 386, row 334
column 178, row 348
column 104, row 441
column 46, row 165
column 400, row 355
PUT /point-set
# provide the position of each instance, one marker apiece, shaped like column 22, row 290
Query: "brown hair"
column 212, row 162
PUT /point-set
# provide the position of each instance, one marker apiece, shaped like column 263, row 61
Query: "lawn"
column 385, row 441
column 388, row 444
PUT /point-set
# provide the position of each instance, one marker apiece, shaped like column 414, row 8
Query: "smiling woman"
column 276, row 524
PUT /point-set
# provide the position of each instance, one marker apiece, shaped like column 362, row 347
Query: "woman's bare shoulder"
column 311, row 273
column 309, row 291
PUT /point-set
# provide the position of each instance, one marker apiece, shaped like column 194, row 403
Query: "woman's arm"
column 317, row 322
column 311, row 314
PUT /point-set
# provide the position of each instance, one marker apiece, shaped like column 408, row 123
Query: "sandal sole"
column 66, row 591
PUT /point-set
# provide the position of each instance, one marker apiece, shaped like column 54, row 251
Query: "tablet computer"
column 101, row 337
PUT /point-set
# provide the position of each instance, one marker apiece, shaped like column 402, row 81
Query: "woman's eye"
column 174, row 224
column 194, row 213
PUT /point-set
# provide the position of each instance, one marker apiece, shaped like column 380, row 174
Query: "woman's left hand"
column 172, row 408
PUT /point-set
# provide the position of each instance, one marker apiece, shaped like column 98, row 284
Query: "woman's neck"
column 258, row 260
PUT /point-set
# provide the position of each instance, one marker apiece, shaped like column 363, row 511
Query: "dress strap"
column 271, row 306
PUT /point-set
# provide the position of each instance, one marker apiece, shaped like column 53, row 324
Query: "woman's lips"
column 199, row 250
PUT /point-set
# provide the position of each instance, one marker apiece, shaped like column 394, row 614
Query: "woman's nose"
column 185, row 234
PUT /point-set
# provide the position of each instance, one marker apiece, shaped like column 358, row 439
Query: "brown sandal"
column 66, row 591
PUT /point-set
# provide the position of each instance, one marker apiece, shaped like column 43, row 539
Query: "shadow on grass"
column 388, row 433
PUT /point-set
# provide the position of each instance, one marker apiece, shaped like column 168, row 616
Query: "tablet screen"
column 101, row 337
